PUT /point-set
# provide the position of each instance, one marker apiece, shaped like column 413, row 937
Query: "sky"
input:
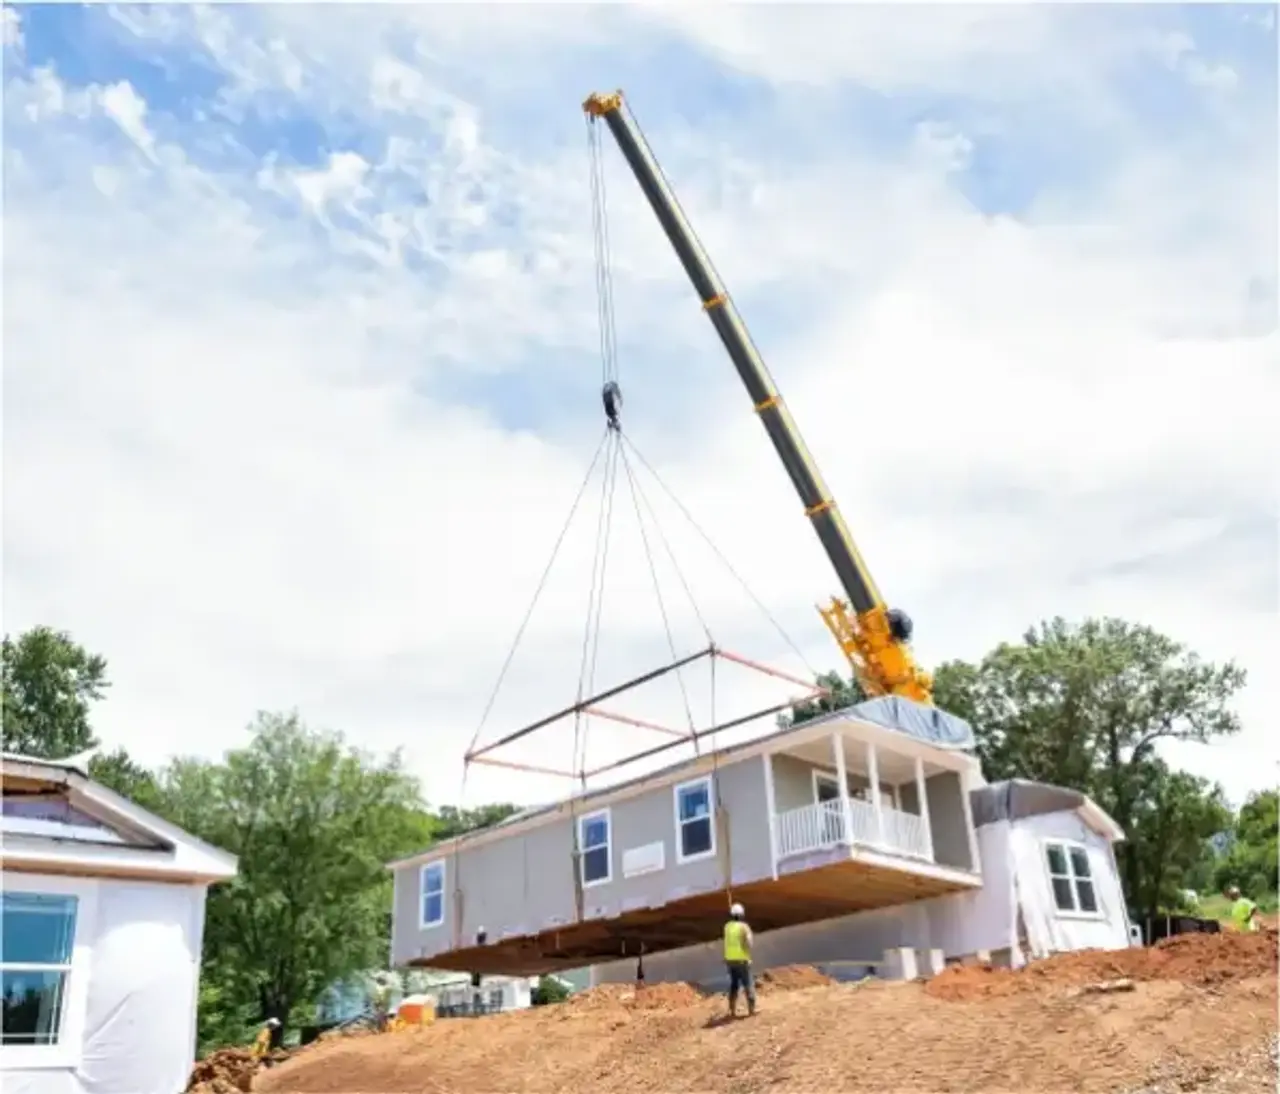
column 302, row 363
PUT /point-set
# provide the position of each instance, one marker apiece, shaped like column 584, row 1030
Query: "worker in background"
column 737, row 957
column 1244, row 912
column 262, row 1042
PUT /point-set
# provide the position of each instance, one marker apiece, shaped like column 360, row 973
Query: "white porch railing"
column 818, row 826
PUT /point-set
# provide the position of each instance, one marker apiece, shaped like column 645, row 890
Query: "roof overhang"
column 155, row 848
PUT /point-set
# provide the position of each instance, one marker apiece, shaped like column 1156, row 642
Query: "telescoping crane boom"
column 874, row 637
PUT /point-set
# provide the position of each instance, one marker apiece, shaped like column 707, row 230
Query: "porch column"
column 842, row 777
column 924, row 808
column 966, row 789
column 873, row 774
column 771, row 804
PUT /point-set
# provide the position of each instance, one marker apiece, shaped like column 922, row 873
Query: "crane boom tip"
column 598, row 105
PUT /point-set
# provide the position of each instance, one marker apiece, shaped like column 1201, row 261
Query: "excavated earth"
column 1195, row 1013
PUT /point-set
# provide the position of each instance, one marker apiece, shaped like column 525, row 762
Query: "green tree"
column 1175, row 815
column 1251, row 859
column 120, row 772
column 450, row 821
column 49, row 684
column 549, row 990
column 1084, row 706
column 841, row 693
column 313, row 823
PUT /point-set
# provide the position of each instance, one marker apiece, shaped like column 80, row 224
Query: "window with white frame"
column 37, row 941
column 595, row 843
column 1071, row 877
column 695, row 825
column 432, row 881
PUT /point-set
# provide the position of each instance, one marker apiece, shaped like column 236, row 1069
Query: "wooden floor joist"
column 806, row 897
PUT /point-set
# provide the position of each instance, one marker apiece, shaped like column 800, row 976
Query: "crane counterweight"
column 872, row 636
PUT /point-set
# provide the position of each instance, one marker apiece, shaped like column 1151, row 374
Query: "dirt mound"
column 230, row 1071
column 1199, row 959
column 227, row 1071
column 792, row 978
column 659, row 996
column 868, row 1037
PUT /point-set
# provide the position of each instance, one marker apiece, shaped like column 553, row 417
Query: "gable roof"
column 58, row 820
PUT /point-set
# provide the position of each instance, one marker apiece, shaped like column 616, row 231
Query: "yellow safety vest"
column 1242, row 912
column 735, row 941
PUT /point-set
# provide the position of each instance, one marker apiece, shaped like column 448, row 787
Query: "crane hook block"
column 611, row 395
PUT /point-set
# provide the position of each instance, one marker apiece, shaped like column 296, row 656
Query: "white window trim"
column 67, row 1052
column 425, row 924
column 1074, row 911
column 608, row 844
column 702, row 780
column 821, row 775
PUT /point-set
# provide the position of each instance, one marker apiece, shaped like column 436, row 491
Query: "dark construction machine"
column 874, row 637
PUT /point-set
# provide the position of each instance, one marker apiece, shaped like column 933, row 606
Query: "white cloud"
column 246, row 461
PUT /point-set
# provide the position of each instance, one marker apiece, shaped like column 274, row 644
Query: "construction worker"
column 1244, row 912
column 262, row 1042
column 737, row 957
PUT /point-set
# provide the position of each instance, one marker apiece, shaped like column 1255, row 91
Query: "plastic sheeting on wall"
column 1048, row 931
column 139, row 1028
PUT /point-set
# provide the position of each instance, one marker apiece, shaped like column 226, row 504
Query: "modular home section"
column 639, row 850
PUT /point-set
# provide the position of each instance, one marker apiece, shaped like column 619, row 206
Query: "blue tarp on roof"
column 930, row 724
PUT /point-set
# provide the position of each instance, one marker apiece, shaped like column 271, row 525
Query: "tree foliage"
column 49, row 684
column 1084, row 706
column 841, row 693
column 313, row 823
column 1250, row 860
column 450, row 821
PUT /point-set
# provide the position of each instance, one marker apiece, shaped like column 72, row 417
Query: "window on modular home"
column 695, row 832
column 593, row 844
column 37, row 937
column 1071, row 877
column 433, row 894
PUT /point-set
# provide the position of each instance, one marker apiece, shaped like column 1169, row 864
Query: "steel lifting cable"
column 724, row 561
column 662, row 607
column 511, row 652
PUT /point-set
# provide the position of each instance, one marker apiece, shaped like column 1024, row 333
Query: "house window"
column 38, row 938
column 595, row 846
column 695, row 828
column 432, row 894
column 495, row 998
column 1071, row 877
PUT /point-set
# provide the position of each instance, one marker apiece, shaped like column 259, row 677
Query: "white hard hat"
column 737, row 910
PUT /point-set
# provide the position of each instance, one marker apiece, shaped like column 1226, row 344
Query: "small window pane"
column 37, row 928
column 595, row 864
column 595, row 832
column 1057, row 860
column 433, row 880
column 828, row 790
column 1088, row 898
column 695, row 802
column 31, row 1005
column 1062, row 895
column 695, row 837
column 1080, row 862
column 433, row 908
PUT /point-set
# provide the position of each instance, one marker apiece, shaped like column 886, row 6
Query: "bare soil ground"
column 1201, row 1016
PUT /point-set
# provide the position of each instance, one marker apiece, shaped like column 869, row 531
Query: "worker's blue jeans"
column 740, row 977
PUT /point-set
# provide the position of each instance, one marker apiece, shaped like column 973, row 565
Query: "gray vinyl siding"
column 793, row 782
column 947, row 821
column 523, row 884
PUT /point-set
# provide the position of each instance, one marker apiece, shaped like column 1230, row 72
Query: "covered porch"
column 857, row 787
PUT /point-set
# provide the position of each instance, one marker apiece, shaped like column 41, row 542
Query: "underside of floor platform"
column 809, row 896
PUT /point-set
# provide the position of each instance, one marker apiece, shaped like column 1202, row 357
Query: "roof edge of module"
column 870, row 714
